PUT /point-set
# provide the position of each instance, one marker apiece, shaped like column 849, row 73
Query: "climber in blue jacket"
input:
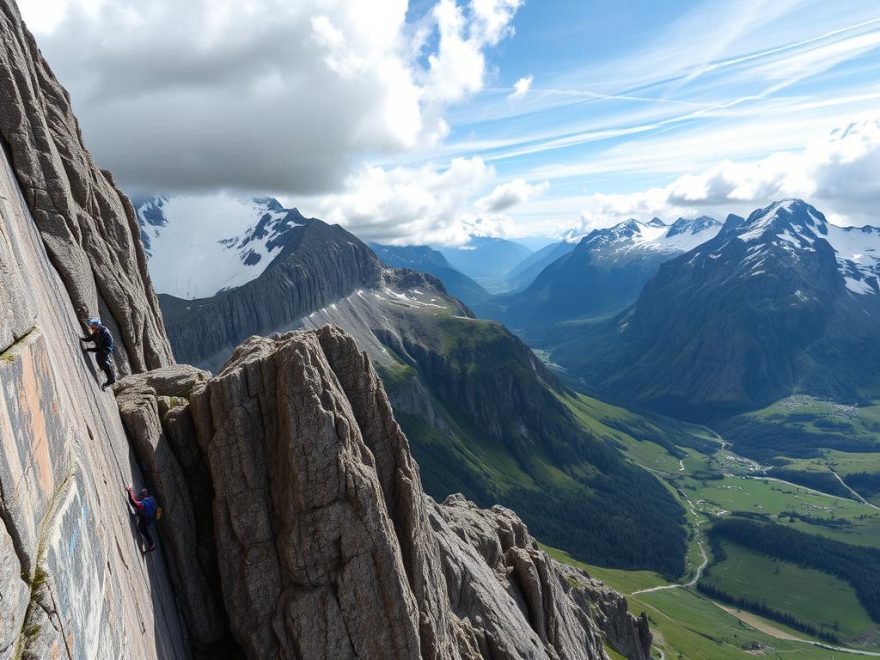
column 145, row 508
column 103, row 348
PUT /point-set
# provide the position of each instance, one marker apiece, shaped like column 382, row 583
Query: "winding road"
column 747, row 617
column 702, row 567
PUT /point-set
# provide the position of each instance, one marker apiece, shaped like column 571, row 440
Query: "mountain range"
column 525, row 272
column 294, row 522
column 603, row 273
column 778, row 303
column 487, row 260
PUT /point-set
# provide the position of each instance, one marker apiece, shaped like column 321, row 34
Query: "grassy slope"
column 780, row 585
column 687, row 625
column 571, row 484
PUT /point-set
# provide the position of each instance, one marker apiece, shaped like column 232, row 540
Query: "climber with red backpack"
column 103, row 348
column 147, row 511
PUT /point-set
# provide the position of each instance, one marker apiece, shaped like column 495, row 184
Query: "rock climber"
column 145, row 509
column 103, row 348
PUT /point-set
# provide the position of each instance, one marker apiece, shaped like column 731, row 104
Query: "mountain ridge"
column 603, row 273
column 788, row 311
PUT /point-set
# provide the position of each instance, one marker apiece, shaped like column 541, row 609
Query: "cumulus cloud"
column 508, row 195
column 405, row 205
column 265, row 95
column 521, row 88
column 837, row 173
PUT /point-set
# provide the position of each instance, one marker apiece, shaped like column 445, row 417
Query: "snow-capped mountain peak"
column 199, row 246
column 795, row 226
column 790, row 216
column 681, row 236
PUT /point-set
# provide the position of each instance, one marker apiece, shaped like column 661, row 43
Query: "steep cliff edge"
column 88, row 227
column 73, row 582
column 323, row 540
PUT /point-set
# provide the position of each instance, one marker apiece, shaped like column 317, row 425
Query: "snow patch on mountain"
column 198, row 246
column 630, row 236
column 795, row 225
column 858, row 256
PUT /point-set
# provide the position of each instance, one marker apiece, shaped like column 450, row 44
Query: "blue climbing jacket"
column 149, row 507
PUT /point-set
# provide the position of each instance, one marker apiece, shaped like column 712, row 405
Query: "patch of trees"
column 823, row 481
column 830, row 523
column 669, row 442
column 760, row 607
column 626, row 520
column 619, row 515
column 703, row 475
column 865, row 483
column 763, row 440
column 857, row 565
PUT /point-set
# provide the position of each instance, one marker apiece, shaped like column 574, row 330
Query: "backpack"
column 107, row 342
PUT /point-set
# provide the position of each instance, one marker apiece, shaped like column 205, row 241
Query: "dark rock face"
column 318, row 264
column 87, row 225
column 145, row 401
column 326, row 545
column 757, row 313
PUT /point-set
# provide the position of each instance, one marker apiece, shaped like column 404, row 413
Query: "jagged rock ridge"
column 316, row 265
column 326, row 545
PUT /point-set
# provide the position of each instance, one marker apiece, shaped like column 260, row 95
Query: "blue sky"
column 630, row 95
column 403, row 122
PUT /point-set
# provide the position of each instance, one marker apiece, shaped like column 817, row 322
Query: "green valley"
column 822, row 602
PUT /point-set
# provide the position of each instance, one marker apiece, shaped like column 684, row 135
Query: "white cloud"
column 521, row 88
column 837, row 173
column 508, row 195
column 264, row 95
column 411, row 205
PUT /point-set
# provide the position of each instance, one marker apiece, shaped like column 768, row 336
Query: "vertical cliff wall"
column 73, row 582
column 88, row 227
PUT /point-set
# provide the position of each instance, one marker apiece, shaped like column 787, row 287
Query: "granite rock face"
column 88, row 226
column 73, row 583
column 326, row 545
column 144, row 402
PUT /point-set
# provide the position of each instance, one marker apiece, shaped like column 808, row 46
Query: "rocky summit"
column 294, row 521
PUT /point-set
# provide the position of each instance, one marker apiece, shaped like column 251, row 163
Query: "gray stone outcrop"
column 327, row 546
